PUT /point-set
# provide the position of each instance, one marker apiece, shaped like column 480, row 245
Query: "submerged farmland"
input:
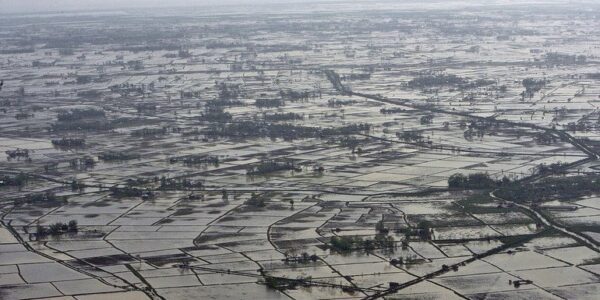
column 384, row 151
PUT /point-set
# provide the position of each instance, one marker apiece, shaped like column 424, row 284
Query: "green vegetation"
column 282, row 117
column 270, row 166
column 441, row 79
column 68, row 143
column 79, row 114
column 410, row 136
column 532, row 86
column 82, row 163
column 303, row 258
column 352, row 143
column 427, row 81
column 426, row 119
column 350, row 243
column 215, row 114
column 280, row 283
column 561, row 188
column 130, row 191
column 149, row 132
column 257, row 200
column 117, row 156
column 338, row 102
column 296, row 95
column 196, row 159
column 45, row 198
column 57, row 229
column 392, row 110
column 17, row 153
column 286, row 131
column 475, row 181
column 13, row 180
column 266, row 103
column 178, row 184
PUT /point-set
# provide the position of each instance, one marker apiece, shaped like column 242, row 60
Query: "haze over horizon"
column 37, row 6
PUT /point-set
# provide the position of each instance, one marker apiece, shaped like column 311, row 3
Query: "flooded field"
column 375, row 150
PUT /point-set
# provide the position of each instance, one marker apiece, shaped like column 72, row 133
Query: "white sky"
column 17, row 6
column 29, row 6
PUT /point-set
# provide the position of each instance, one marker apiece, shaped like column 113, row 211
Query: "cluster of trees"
column 257, row 200
column 267, row 102
column 285, row 131
column 441, row 79
column 17, row 153
column 215, row 114
column 546, row 138
column 335, row 79
column 216, row 44
column 17, row 180
column 280, row 283
column 477, row 83
column 593, row 75
column 17, row 50
column 470, row 133
column 77, row 186
column 302, row 258
column 392, row 110
column 350, row 243
column 80, row 125
column 532, row 86
column 579, row 126
column 149, row 132
column 296, row 95
column 23, row 116
column 127, row 191
column 270, row 166
column 135, row 65
column 145, row 107
column 66, row 51
column 195, row 159
column 224, row 103
column 68, row 143
column 426, row 119
column 553, row 168
column 83, row 79
column 57, row 229
column 130, row 191
column 427, row 81
column 82, row 162
column 356, row 76
column 44, row 197
column 117, row 156
column 424, row 230
column 178, row 184
column 131, row 88
column 561, row 188
column 352, row 143
column 555, row 58
column 410, row 136
column 338, row 102
column 282, row 117
column 476, row 181
column 228, row 91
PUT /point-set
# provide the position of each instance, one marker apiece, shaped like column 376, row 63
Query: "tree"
column 72, row 226
column 424, row 227
column 457, row 180
column 56, row 228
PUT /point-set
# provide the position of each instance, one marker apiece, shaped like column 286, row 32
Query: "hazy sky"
column 27, row 6
column 13, row 6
